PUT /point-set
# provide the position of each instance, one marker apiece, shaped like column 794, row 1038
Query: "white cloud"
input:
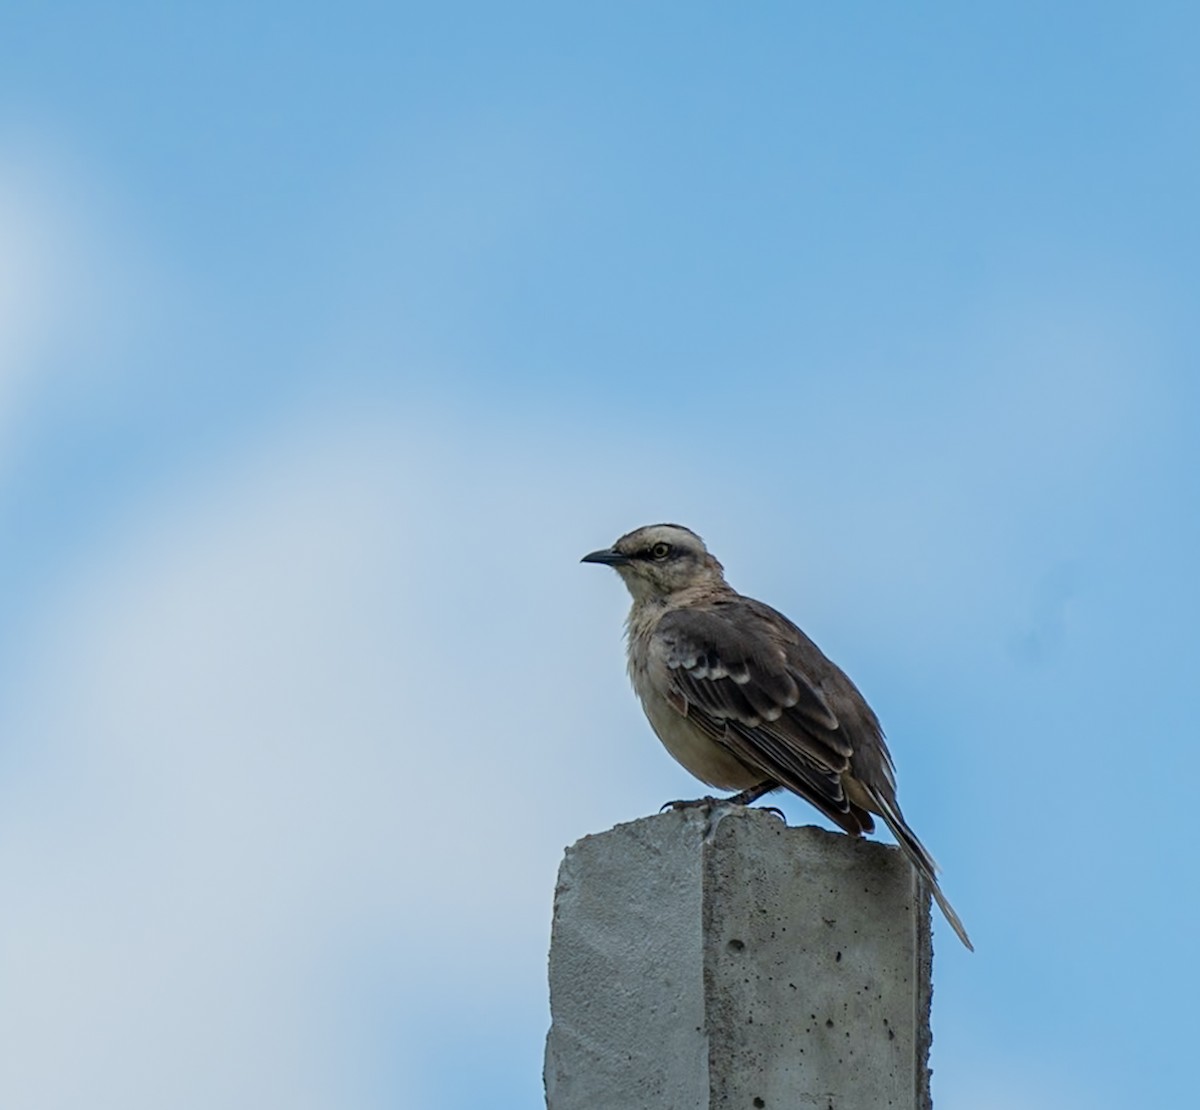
column 338, row 706
column 27, row 261
column 289, row 726
column 74, row 282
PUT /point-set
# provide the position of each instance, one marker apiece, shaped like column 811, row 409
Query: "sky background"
column 331, row 337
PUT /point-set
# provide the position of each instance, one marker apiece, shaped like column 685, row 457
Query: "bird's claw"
column 707, row 802
column 716, row 810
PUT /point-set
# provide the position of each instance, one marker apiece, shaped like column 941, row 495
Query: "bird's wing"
column 731, row 668
column 754, row 682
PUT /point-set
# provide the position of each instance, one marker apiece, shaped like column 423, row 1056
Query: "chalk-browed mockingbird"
column 745, row 700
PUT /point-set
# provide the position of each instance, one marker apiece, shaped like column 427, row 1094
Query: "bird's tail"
column 923, row 862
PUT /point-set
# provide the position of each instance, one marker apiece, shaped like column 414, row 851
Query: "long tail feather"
column 923, row 862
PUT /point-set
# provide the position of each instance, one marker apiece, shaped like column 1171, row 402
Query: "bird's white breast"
column 693, row 749
column 689, row 745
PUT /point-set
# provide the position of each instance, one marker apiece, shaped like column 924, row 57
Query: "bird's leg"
column 707, row 802
column 742, row 799
column 717, row 808
column 753, row 794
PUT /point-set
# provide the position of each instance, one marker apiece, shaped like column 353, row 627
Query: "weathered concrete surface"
column 771, row 968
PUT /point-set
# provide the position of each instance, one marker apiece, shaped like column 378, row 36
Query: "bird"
column 745, row 701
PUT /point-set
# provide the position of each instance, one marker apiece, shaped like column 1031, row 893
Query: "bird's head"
column 660, row 560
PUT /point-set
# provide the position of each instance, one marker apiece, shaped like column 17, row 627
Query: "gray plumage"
column 744, row 700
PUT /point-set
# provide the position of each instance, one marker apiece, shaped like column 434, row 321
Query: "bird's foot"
column 707, row 802
column 717, row 809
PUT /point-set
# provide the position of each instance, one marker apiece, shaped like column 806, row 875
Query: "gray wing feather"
column 755, row 683
column 734, row 670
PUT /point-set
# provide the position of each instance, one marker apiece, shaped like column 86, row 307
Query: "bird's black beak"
column 608, row 557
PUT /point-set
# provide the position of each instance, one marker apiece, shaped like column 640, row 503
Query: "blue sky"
column 331, row 338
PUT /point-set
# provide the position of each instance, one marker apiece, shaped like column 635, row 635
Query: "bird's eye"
column 660, row 550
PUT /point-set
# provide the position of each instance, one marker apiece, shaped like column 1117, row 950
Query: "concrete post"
column 772, row 968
